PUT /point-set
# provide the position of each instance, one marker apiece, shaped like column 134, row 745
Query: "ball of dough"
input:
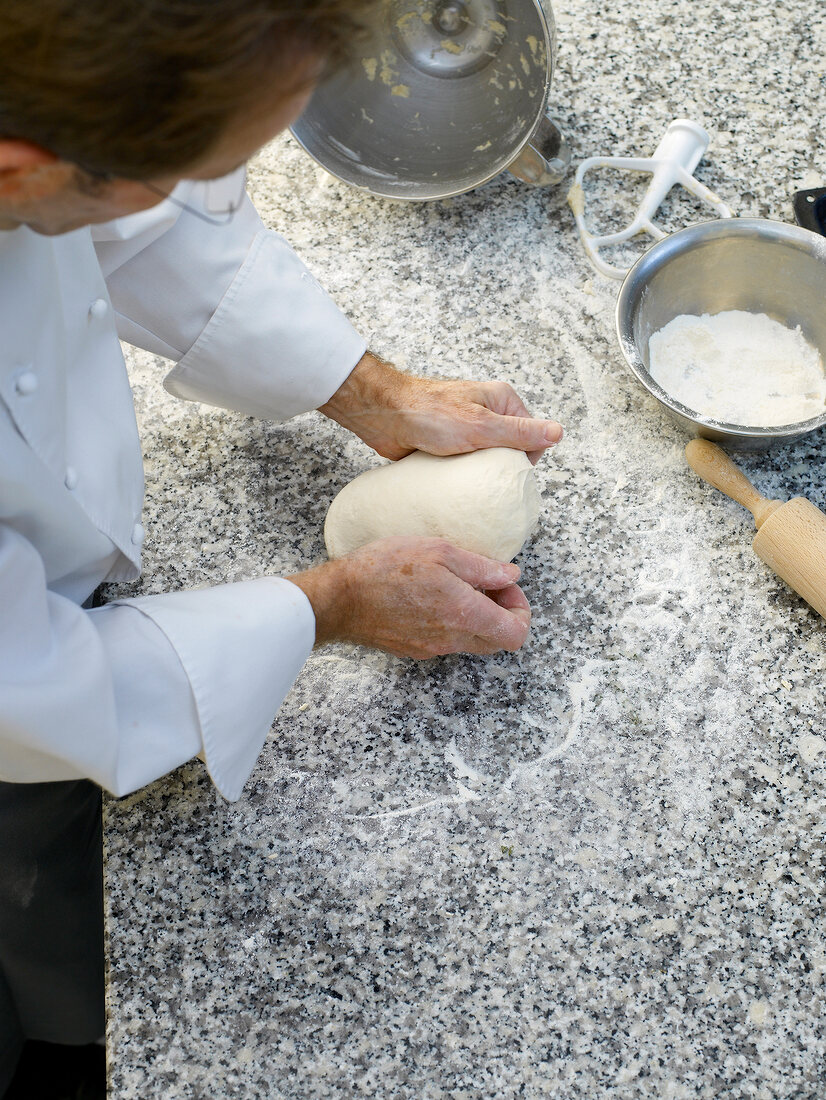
column 486, row 501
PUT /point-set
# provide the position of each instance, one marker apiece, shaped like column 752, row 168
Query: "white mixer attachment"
column 673, row 162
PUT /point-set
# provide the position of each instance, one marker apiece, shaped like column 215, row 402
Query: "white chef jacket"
column 125, row 693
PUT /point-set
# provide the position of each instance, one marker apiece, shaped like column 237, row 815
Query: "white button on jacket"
column 98, row 309
column 126, row 692
column 26, row 383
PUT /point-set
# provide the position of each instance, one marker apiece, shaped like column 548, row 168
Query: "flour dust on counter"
column 739, row 368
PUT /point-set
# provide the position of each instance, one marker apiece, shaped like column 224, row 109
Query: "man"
column 105, row 107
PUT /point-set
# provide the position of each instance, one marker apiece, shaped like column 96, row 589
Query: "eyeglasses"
column 222, row 201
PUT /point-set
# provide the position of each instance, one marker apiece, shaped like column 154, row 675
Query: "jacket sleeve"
column 248, row 326
column 127, row 692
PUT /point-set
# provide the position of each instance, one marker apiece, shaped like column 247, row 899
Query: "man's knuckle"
column 525, row 429
column 478, row 417
column 442, row 550
column 467, row 607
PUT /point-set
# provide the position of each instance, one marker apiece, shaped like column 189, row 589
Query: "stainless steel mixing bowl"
column 448, row 94
column 751, row 264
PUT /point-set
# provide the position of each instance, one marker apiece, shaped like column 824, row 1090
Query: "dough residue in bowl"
column 739, row 368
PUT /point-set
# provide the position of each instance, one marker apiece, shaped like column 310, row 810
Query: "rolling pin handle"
column 715, row 467
column 764, row 509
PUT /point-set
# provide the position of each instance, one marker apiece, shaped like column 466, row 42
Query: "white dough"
column 486, row 501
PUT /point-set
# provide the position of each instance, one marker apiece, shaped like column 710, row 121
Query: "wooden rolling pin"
column 791, row 537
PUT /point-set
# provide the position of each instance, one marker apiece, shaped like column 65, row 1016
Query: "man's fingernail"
column 553, row 434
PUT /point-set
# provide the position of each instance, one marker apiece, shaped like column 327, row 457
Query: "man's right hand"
column 417, row 597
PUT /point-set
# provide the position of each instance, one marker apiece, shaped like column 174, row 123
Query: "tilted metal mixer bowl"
column 448, row 94
column 749, row 264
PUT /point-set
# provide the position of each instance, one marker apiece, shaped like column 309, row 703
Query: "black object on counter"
column 810, row 209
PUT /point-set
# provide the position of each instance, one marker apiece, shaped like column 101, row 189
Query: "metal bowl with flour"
column 446, row 95
column 748, row 264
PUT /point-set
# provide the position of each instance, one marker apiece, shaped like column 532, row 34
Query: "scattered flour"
column 739, row 368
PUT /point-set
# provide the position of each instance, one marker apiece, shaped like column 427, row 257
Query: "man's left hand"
column 396, row 413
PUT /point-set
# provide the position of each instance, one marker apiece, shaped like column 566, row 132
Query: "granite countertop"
column 592, row 868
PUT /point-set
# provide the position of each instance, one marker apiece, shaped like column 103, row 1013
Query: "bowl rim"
column 633, row 286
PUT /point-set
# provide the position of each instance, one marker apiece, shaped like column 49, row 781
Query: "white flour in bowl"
column 739, row 368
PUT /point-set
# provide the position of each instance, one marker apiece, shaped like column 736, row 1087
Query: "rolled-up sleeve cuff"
column 241, row 646
column 276, row 346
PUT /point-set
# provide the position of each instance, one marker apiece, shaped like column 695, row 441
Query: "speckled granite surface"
column 594, row 868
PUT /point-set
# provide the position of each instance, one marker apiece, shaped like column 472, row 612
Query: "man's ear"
column 16, row 153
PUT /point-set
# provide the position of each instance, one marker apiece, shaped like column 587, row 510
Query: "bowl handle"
column 545, row 159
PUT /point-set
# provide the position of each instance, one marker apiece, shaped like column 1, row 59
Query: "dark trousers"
column 51, row 916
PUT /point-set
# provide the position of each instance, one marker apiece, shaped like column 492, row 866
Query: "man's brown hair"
column 141, row 88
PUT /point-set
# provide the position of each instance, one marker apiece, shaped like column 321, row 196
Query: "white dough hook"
column 673, row 162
